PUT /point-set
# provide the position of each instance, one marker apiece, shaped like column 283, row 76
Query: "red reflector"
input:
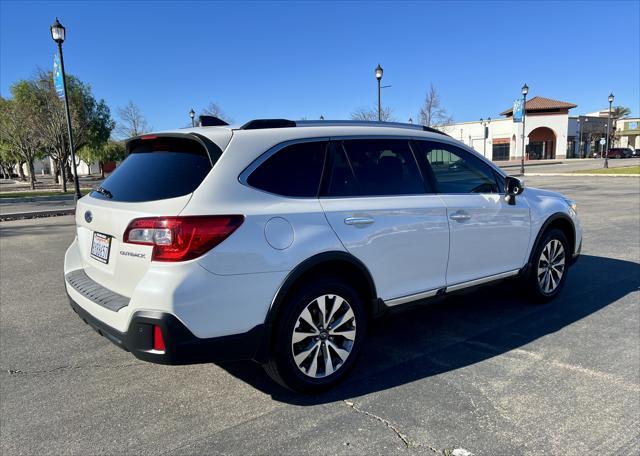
column 158, row 341
column 181, row 238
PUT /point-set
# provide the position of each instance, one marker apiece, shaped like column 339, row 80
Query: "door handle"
column 358, row 221
column 460, row 216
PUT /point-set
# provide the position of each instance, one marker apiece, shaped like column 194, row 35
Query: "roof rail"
column 211, row 121
column 283, row 123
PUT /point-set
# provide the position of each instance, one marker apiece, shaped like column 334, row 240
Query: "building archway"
column 542, row 144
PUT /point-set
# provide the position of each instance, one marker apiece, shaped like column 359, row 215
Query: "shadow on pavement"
column 463, row 330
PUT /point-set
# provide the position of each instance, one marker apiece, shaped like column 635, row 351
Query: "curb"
column 35, row 214
column 517, row 165
column 579, row 175
column 35, row 199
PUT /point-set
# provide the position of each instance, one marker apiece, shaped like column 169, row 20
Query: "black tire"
column 535, row 285
column 281, row 365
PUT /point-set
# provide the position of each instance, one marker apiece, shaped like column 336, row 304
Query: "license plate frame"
column 104, row 243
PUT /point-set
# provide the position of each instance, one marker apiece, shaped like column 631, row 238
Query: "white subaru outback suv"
column 278, row 241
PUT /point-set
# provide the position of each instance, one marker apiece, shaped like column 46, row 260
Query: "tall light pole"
column 525, row 91
column 192, row 114
column 379, row 72
column 485, row 133
column 606, row 150
column 580, row 146
column 58, row 35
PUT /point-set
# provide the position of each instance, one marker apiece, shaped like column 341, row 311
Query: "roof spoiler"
column 211, row 121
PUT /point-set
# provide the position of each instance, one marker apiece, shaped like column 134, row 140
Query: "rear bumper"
column 181, row 346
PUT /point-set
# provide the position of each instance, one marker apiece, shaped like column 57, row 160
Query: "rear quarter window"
column 157, row 169
column 293, row 171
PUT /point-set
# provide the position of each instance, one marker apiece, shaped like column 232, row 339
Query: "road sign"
column 57, row 76
column 602, row 141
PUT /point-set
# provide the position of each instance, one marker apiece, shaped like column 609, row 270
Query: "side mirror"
column 513, row 186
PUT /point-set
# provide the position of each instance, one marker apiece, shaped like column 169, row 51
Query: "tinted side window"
column 454, row 170
column 384, row 167
column 339, row 180
column 294, row 170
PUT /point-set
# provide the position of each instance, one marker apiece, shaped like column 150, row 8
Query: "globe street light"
column 58, row 35
column 525, row 91
column 379, row 72
column 192, row 114
column 606, row 150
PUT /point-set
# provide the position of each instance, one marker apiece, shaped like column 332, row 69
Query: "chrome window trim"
column 244, row 175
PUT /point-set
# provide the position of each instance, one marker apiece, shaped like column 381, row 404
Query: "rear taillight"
column 181, row 238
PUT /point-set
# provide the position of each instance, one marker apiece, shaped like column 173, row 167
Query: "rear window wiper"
column 105, row 192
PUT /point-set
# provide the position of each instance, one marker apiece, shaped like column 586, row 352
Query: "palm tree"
column 617, row 112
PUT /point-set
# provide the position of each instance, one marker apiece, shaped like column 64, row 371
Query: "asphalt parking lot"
column 486, row 371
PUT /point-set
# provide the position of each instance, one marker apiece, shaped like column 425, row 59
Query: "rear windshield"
column 157, row 169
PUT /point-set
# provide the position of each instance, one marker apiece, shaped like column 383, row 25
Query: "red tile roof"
column 541, row 103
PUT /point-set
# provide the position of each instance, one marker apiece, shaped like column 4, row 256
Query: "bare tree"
column 432, row 114
column 132, row 122
column 214, row 110
column 372, row 114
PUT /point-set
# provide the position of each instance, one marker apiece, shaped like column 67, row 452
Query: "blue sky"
column 304, row 59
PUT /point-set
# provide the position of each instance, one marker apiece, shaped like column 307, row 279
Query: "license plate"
column 100, row 247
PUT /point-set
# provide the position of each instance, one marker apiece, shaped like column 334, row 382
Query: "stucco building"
column 547, row 132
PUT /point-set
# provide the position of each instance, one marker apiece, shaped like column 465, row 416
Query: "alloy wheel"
column 323, row 336
column 551, row 266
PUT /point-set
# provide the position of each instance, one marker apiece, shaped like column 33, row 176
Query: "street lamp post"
column 580, row 138
column 58, row 35
column 525, row 91
column 484, row 124
column 606, row 150
column 581, row 149
column 379, row 72
column 192, row 114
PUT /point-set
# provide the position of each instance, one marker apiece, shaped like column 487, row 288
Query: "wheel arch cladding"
column 338, row 264
column 559, row 221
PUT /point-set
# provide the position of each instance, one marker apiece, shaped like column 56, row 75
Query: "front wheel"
column 549, row 267
column 318, row 336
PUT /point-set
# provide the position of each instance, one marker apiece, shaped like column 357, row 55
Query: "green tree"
column 618, row 112
column 102, row 153
column 19, row 130
column 90, row 118
column 7, row 159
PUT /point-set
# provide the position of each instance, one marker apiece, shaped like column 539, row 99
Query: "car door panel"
column 488, row 236
column 376, row 201
column 404, row 242
column 492, row 240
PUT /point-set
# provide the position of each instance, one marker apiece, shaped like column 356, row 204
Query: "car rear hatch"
column 156, row 179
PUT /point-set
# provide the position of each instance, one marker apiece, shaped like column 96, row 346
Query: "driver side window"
column 454, row 170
